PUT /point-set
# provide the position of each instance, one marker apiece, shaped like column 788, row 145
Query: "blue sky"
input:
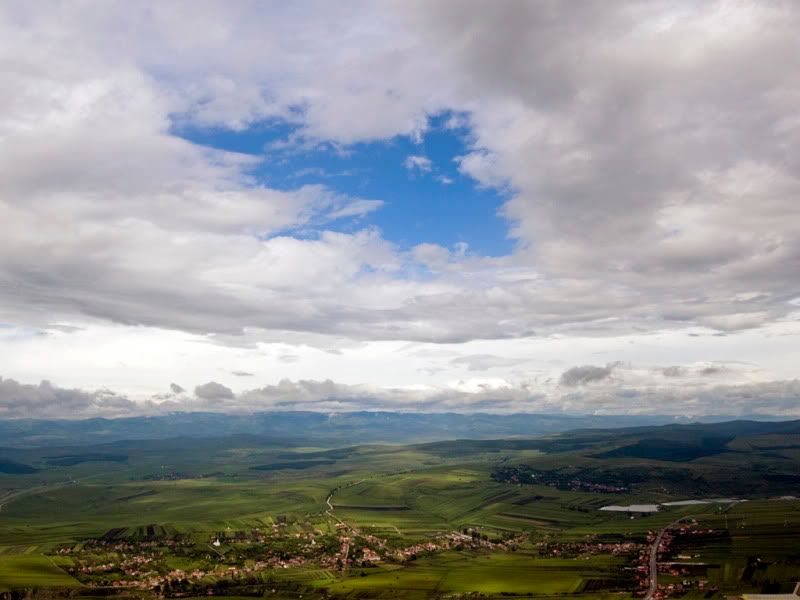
column 440, row 205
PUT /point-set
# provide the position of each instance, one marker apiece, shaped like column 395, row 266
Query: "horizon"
column 359, row 428
column 676, row 418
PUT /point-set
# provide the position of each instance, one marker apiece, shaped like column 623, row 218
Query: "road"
column 654, row 558
column 41, row 488
column 5, row 500
column 329, row 512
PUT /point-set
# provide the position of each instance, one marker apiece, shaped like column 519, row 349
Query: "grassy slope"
column 33, row 571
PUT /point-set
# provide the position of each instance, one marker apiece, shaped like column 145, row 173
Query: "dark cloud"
column 213, row 392
column 176, row 389
column 712, row 370
column 585, row 374
column 674, row 371
column 18, row 400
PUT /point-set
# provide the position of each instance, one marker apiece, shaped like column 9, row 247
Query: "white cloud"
column 633, row 391
column 418, row 163
column 358, row 208
column 481, row 165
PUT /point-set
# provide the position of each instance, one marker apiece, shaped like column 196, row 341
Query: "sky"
column 526, row 206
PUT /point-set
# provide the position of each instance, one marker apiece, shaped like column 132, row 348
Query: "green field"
column 33, row 571
column 489, row 574
column 193, row 492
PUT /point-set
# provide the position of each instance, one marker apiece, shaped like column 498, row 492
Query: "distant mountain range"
column 312, row 428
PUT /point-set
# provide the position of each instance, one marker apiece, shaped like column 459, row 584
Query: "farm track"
column 45, row 488
column 328, row 498
column 14, row 495
column 329, row 512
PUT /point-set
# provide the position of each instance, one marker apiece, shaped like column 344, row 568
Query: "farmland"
column 245, row 516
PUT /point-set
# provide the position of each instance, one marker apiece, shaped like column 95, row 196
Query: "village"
column 682, row 572
column 174, row 565
column 252, row 557
column 575, row 482
column 682, row 575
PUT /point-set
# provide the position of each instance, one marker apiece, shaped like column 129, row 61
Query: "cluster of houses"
column 676, row 569
column 579, row 485
column 140, row 564
column 556, row 479
column 135, row 566
column 124, row 546
column 590, row 547
column 364, row 549
column 681, row 568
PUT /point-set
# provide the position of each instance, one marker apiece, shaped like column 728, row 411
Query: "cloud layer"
column 646, row 151
column 688, row 390
column 649, row 188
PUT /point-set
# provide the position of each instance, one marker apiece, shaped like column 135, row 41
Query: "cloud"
column 701, row 370
column 631, row 391
column 712, row 370
column 674, row 371
column 626, row 393
column 213, row 392
column 623, row 163
column 242, row 373
column 481, row 165
column 176, row 389
column 585, row 374
column 418, row 163
column 736, row 321
column 357, row 208
column 18, row 400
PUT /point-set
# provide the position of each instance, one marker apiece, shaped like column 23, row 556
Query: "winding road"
column 328, row 498
column 4, row 500
column 13, row 495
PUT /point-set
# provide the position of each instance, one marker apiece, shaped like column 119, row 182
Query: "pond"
column 640, row 508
